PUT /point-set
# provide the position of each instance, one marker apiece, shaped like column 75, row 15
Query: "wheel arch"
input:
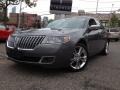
column 82, row 41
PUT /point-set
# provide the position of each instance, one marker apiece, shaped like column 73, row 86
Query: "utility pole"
column 112, row 8
column 97, row 6
column 19, row 19
column 111, row 14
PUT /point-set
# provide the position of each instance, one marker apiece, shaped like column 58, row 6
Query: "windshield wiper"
column 56, row 29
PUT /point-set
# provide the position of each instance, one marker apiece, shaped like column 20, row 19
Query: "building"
column 1, row 17
column 14, row 9
column 27, row 20
column 104, row 18
column 60, row 16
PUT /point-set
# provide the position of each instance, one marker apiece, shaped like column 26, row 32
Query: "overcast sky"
column 87, row 5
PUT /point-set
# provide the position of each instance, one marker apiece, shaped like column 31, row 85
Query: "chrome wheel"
column 79, row 58
column 107, row 48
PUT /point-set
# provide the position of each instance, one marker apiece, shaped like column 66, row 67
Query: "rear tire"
column 106, row 49
column 80, row 58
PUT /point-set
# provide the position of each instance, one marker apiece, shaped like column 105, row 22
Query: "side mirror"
column 93, row 27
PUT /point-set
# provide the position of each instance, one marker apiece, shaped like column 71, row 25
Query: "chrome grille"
column 29, row 42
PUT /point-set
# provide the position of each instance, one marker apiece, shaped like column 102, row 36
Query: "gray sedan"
column 63, row 43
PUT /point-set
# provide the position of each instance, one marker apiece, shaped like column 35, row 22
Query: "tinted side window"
column 92, row 22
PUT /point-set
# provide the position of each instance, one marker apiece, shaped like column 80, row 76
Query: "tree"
column 5, row 3
column 114, row 20
column 118, row 23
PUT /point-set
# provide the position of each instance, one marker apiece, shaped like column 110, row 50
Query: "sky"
column 42, row 7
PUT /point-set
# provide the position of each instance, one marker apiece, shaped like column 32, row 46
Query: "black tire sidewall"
column 104, row 50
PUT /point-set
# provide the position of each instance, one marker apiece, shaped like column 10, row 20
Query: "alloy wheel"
column 79, row 58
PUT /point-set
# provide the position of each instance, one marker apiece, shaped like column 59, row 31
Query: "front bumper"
column 46, row 55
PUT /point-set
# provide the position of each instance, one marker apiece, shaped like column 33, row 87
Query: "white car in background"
column 114, row 34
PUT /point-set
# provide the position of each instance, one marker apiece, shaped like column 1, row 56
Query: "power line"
column 74, row 8
column 101, row 8
column 99, row 1
column 102, row 11
column 110, row 2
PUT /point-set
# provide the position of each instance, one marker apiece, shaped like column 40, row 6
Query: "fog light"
column 47, row 60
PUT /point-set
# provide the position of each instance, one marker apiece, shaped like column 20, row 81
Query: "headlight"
column 56, row 39
column 10, row 41
column 11, row 38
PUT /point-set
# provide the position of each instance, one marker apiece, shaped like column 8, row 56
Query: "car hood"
column 51, row 32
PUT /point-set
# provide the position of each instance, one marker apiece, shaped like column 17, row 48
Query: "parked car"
column 63, row 43
column 4, row 32
column 114, row 34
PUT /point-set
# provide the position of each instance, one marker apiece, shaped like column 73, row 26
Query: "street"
column 101, row 73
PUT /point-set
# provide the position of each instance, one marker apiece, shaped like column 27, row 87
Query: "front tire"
column 80, row 57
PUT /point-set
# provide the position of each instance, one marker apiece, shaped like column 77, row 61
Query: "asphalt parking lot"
column 102, row 73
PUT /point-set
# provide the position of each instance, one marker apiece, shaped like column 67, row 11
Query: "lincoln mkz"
column 63, row 43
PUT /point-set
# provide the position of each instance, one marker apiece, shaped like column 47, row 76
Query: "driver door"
column 93, row 38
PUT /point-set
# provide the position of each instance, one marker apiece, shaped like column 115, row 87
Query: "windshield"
column 70, row 23
column 2, row 27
